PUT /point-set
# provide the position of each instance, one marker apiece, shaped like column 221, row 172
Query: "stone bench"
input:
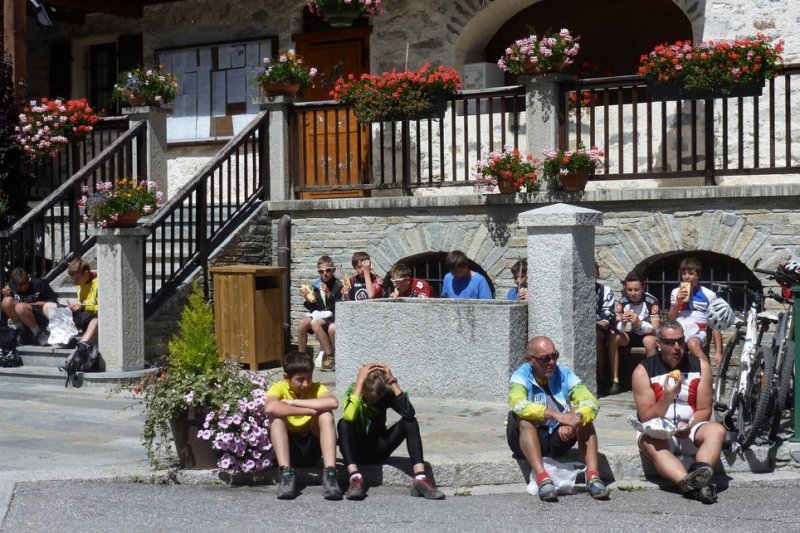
column 437, row 348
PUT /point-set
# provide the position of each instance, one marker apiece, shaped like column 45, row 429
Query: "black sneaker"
column 426, row 488
column 706, row 494
column 547, row 491
column 696, row 478
column 615, row 389
column 286, row 483
column 42, row 337
column 355, row 491
column 330, row 484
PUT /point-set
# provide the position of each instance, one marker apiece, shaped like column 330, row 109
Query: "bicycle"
column 782, row 349
column 751, row 387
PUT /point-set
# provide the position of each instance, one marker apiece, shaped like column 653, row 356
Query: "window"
column 430, row 266
column 216, row 96
column 662, row 276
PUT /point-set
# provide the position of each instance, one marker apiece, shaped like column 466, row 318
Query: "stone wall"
column 640, row 226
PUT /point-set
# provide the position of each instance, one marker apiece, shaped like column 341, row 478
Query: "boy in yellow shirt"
column 302, row 427
column 84, row 314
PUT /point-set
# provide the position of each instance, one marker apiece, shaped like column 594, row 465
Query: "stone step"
column 40, row 375
column 43, row 356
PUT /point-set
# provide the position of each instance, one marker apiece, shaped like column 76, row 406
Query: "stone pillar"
column 156, row 118
column 279, row 138
column 120, row 271
column 561, row 296
column 541, row 112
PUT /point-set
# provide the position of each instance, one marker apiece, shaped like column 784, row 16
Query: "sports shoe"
column 91, row 358
column 426, row 488
column 597, row 489
column 330, row 484
column 696, row 478
column 328, row 363
column 42, row 337
column 547, row 491
column 286, row 484
column 355, row 491
column 706, row 494
column 615, row 389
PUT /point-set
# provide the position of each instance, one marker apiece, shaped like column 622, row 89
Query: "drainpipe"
column 284, row 260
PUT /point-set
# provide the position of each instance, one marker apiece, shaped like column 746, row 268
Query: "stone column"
column 279, row 138
column 120, row 271
column 541, row 112
column 561, row 296
column 156, row 118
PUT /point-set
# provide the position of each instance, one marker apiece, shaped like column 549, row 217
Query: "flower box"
column 669, row 91
column 534, row 55
column 284, row 74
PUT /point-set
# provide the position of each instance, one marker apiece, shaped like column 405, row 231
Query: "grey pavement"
column 132, row 507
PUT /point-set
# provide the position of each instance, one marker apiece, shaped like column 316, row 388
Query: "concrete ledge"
column 41, row 375
column 438, row 348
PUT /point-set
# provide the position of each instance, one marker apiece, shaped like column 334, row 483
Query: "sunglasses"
column 672, row 342
column 546, row 358
column 399, row 280
column 326, row 271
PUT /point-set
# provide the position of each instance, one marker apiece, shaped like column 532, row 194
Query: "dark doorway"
column 102, row 75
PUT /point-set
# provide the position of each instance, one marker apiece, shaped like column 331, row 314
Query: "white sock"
column 17, row 325
column 355, row 475
column 420, row 476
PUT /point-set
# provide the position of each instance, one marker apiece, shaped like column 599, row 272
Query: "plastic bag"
column 657, row 428
column 61, row 326
column 563, row 476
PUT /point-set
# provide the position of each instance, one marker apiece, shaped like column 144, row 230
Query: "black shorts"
column 82, row 319
column 38, row 314
column 304, row 449
column 635, row 340
column 550, row 444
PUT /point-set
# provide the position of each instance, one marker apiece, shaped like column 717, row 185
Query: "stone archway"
column 476, row 242
column 626, row 244
column 488, row 18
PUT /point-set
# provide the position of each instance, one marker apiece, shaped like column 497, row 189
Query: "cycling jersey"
column 645, row 310
column 605, row 303
column 358, row 290
column 692, row 314
column 685, row 404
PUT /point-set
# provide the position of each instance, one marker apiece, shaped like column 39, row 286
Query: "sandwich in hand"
column 309, row 293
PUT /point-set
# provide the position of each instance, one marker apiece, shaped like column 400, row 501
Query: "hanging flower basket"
column 674, row 90
column 341, row 16
column 534, row 69
column 281, row 89
column 437, row 109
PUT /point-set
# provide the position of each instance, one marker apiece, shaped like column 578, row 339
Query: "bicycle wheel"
column 757, row 398
column 785, row 381
column 726, row 396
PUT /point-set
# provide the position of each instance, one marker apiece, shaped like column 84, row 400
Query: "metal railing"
column 45, row 175
column 642, row 138
column 205, row 211
column 53, row 232
column 333, row 152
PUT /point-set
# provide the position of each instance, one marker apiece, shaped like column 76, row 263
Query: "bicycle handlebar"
column 776, row 274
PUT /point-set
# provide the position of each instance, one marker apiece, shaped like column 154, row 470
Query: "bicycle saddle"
column 768, row 315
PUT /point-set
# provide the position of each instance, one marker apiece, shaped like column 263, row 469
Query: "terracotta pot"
column 194, row 453
column 136, row 101
column 128, row 219
column 574, row 182
column 536, row 70
column 506, row 186
column 281, row 89
column 341, row 17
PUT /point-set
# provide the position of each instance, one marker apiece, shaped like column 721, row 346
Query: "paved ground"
column 97, row 506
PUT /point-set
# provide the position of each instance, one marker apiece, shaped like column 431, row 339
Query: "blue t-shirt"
column 472, row 287
column 513, row 294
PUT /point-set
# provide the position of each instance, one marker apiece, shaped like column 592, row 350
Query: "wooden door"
column 334, row 148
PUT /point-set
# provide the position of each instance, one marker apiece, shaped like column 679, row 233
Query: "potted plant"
column 145, row 87
column 120, row 206
column 409, row 95
column 535, row 55
column 571, row 168
column 284, row 74
column 343, row 13
column 507, row 170
column 711, row 69
column 210, row 409
column 46, row 126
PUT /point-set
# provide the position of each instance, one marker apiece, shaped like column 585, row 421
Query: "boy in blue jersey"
column 519, row 272
column 461, row 282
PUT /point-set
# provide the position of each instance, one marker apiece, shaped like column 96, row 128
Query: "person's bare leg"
column 332, row 337
column 587, row 445
column 324, row 425
column 696, row 348
column 665, row 462
column 24, row 313
column 709, row 440
column 279, row 437
column 322, row 336
column 9, row 308
column 91, row 331
column 529, row 444
column 614, row 344
column 601, row 356
column 302, row 333
column 650, row 345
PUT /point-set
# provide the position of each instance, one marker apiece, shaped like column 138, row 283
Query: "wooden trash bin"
column 248, row 313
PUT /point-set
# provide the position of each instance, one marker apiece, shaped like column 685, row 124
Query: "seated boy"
column 27, row 302
column 301, row 425
column 320, row 300
column 461, row 282
column 364, row 437
column 519, row 272
column 638, row 318
column 689, row 309
column 84, row 313
column 365, row 284
column 403, row 285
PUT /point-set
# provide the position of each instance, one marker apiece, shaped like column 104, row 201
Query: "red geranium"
column 46, row 126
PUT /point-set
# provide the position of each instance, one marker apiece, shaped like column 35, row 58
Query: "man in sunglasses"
column 551, row 410
column 685, row 401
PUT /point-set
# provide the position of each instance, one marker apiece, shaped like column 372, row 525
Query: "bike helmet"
column 791, row 268
column 720, row 315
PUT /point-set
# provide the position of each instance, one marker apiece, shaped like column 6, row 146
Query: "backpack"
column 9, row 357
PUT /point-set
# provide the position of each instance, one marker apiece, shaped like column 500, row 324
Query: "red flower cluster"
column 45, row 127
column 509, row 166
column 396, row 95
column 714, row 64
